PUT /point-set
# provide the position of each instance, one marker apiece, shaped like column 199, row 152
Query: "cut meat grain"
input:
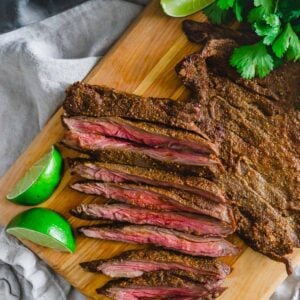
column 157, row 198
column 184, row 222
column 162, row 285
column 143, row 133
column 170, row 239
column 115, row 150
column 135, row 263
column 118, row 173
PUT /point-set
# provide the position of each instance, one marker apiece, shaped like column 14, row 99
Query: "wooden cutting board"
column 142, row 62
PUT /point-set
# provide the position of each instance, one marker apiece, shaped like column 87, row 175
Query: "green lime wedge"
column 40, row 181
column 44, row 227
column 183, row 8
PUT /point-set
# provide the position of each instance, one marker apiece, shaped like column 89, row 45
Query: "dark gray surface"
column 18, row 13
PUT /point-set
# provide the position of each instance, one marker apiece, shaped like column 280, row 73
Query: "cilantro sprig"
column 275, row 22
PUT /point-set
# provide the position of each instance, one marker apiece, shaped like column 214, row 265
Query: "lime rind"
column 183, row 8
column 39, row 239
column 44, row 227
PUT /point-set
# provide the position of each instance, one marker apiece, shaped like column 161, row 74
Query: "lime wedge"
column 44, row 227
column 40, row 180
column 183, row 8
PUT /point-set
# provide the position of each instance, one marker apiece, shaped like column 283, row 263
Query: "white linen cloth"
column 37, row 63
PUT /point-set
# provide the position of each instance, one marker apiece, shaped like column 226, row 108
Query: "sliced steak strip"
column 146, row 134
column 135, row 262
column 123, row 193
column 159, row 285
column 99, row 101
column 117, row 150
column 155, row 198
column 185, row 222
column 118, row 173
column 170, row 239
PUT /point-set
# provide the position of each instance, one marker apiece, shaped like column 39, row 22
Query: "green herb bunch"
column 275, row 22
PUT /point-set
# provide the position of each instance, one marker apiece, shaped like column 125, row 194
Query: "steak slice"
column 170, row 239
column 118, row 173
column 100, row 101
column 184, row 222
column 159, row 285
column 143, row 133
column 156, row 198
column 136, row 262
column 117, row 150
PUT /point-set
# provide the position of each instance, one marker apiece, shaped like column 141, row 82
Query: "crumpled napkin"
column 24, row 276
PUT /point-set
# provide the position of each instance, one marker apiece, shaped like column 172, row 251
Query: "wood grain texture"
column 142, row 61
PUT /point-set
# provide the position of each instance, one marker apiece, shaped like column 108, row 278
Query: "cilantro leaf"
column 256, row 14
column 216, row 15
column 287, row 41
column 268, row 27
column 239, row 8
column 293, row 53
column 277, row 22
column 225, row 4
column 252, row 60
column 272, row 20
column 267, row 5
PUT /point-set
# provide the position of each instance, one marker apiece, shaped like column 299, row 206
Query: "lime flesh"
column 44, row 227
column 40, row 180
column 183, row 8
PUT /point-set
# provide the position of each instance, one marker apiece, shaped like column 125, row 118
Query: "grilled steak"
column 170, row 239
column 114, row 150
column 156, row 198
column 135, row 262
column 255, row 123
column 185, row 222
column 261, row 140
column 143, row 133
column 122, row 173
column 159, row 285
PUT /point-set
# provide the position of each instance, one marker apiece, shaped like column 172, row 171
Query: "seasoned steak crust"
column 101, row 101
column 261, row 138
